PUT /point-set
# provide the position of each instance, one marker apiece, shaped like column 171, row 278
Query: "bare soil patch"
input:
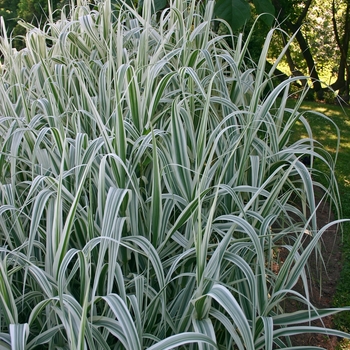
column 322, row 281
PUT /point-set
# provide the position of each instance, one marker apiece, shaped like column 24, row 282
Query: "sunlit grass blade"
column 19, row 334
column 231, row 306
column 182, row 339
column 121, row 312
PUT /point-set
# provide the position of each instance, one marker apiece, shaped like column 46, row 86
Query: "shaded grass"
column 324, row 132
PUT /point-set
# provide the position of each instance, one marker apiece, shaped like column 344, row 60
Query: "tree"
column 322, row 30
column 292, row 15
column 342, row 36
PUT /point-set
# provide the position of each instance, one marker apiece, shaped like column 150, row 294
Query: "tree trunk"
column 305, row 49
column 304, row 46
column 343, row 79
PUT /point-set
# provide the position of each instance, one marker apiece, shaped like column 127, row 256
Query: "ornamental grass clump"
column 148, row 184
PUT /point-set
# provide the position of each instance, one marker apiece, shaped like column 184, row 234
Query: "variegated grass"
column 146, row 182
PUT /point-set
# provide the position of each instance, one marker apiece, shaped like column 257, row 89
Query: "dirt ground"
column 322, row 295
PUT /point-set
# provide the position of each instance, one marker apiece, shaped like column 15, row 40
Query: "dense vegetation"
column 321, row 29
column 149, row 187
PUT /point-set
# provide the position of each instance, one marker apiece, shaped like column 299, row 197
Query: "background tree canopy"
column 32, row 11
column 321, row 29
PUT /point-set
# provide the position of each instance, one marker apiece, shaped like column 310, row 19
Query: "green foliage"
column 316, row 25
column 148, row 185
column 237, row 12
column 31, row 11
column 8, row 12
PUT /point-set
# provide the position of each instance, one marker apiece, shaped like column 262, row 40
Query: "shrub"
column 147, row 186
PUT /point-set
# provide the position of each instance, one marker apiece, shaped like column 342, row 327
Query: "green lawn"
column 325, row 132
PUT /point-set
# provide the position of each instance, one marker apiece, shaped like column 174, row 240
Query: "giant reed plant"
column 147, row 185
